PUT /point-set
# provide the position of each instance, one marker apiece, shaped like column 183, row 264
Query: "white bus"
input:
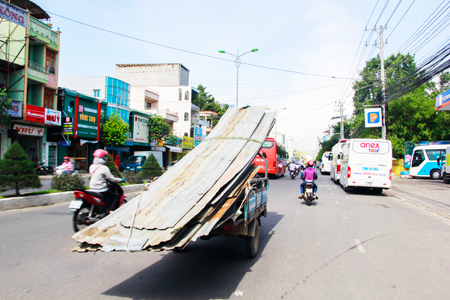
column 424, row 161
column 325, row 165
column 336, row 155
column 366, row 163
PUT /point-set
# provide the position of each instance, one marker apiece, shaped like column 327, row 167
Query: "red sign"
column 35, row 114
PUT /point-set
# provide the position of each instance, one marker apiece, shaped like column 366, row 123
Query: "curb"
column 49, row 199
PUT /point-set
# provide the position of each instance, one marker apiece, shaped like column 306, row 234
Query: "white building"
column 163, row 89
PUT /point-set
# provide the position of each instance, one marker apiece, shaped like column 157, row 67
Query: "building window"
column 49, row 96
column 186, row 116
column 96, row 93
column 180, row 93
column 148, row 105
column 186, row 134
column 186, row 95
column 51, row 62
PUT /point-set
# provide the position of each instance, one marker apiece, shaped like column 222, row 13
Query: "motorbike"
column 293, row 174
column 41, row 169
column 89, row 207
column 308, row 193
column 49, row 170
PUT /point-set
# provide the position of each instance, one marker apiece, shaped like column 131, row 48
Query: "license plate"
column 75, row 204
column 309, row 190
column 132, row 169
column 369, row 183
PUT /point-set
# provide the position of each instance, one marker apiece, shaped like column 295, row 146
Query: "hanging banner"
column 373, row 117
column 29, row 130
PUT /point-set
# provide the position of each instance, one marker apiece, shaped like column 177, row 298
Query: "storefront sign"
column 64, row 143
column 140, row 129
column 188, row 142
column 13, row 14
column 87, row 126
column 373, row 117
column 35, row 114
column 198, row 138
column 67, row 125
column 52, row 117
column 29, row 130
column 16, row 109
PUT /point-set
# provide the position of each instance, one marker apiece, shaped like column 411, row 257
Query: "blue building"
column 117, row 94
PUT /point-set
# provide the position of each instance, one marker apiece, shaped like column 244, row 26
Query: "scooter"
column 40, row 169
column 293, row 174
column 308, row 194
column 89, row 207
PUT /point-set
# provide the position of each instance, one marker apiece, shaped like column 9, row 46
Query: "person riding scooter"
column 309, row 175
column 65, row 167
column 100, row 174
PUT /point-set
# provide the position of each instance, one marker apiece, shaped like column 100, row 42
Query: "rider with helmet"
column 67, row 164
column 309, row 175
column 100, row 174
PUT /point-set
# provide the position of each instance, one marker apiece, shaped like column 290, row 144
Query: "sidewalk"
column 433, row 195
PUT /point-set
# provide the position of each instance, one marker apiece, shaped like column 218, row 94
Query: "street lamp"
column 237, row 63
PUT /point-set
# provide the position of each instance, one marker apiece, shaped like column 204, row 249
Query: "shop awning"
column 175, row 149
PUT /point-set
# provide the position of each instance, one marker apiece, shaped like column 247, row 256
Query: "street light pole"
column 237, row 63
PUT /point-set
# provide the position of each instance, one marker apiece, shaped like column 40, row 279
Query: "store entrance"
column 79, row 154
column 32, row 146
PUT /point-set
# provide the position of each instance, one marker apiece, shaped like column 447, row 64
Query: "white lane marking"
column 393, row 214
column 360, row 247
column 344, row 216
column 332, row 194
column 336, row 202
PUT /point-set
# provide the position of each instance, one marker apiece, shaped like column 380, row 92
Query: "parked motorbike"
column 89, row 207
column 49, row 170
column 308, row 194
column 41, row 169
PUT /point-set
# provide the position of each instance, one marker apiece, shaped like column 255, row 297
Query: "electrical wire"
column 395, row 9
column 400, row 20
column 196, row 53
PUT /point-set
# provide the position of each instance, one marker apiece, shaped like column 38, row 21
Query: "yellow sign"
column 188, row 142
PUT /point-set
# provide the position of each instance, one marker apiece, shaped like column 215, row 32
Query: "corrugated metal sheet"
column 206, row 175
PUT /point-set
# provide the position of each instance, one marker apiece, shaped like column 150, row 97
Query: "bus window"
column 418, row 158
column 267, row 144
column 433, row 154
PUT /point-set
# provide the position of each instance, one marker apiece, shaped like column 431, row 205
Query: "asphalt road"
column 347, row 246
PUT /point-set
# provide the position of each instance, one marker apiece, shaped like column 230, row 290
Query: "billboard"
column 188, row 142
column 372, row 117
column 140, row 129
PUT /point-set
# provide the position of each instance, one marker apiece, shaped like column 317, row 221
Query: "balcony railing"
column 38, row 67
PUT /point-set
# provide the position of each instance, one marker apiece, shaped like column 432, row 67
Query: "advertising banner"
column 373, row 117
column 188, row 142
column 198, row 138
column 35, row 114
column 380, row 147
column 52, row 117
column 87, row 126
column 443, row 100
column 13, row 14
column 16, row 109
column 140, row 129
column 29, row 130
column 67, row 125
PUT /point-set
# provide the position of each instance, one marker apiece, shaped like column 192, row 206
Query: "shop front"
column 31, row 140
column 80, row 128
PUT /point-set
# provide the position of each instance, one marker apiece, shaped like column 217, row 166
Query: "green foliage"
column 16, row 171
column 158, row 128
column 112, row 166
column 5, row 105
column 67, row 182
column 151, row 168
column 207, row 102
column 115, row 131
column 132, row 177
column 172, row 140
column 327, row 146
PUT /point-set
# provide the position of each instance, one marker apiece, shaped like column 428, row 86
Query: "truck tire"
column 251, row 244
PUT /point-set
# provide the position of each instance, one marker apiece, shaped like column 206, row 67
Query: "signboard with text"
column 373, row 117
column 67, row 125
column 16, row 109
column 198, row 137
column 13, row 14
column 29, row 130
column 87, row 119
column 140, row 129
column 188, row 142
column 43, row 115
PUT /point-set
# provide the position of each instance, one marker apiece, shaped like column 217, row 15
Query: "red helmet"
column 66, row 157
column 310, row 163
column 100, row 153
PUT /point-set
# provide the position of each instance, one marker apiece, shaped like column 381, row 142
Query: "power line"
column 400, row 20
column 196, row 53
column 395, row 9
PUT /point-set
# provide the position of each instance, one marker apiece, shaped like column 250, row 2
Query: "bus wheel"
column 435, row 174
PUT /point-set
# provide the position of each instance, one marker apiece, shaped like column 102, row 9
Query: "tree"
column 327, row 146
column 151, row 168
column 5, row 105
column 112, row 166
column 158, row 128
column 16, row 171
column 115, row 131
column 207, row 102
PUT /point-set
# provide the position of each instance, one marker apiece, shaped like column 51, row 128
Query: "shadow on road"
column 205, row 270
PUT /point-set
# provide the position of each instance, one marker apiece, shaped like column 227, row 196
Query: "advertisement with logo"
column 443, row 100
column 87, row 119
column 140, row 129
column 373, row 117
column 52, row 117
column 188, row 142
column 371, row 147
column 35, row 114
column 198, row 137
column 29, row 130
column 16, row 109
column 67, row 125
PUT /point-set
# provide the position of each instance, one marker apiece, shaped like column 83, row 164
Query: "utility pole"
column 341, row 109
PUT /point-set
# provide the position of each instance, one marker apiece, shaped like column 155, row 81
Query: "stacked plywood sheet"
column 188, row 200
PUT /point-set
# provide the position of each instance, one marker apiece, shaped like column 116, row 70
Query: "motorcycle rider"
column 100, row 174
column 309, row 175
column 293, row 167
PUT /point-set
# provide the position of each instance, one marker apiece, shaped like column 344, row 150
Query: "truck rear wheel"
column 251, row 244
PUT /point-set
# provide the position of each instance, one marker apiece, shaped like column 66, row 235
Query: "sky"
column 308, row 50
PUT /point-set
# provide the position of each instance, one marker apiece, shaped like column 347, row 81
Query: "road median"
column 53, row 198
